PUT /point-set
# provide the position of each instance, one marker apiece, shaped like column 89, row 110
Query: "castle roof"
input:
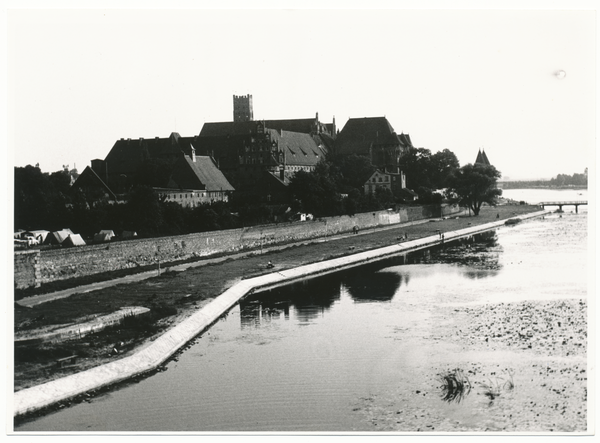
column 200, row 174
column 303, row 125
column 482, row 158
column 299, row 149
column 360, row 134
column 127, row 154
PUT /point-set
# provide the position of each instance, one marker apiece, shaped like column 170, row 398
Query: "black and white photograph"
column 301, row 218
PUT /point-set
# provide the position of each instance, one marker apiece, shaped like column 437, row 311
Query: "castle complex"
column 256, row 158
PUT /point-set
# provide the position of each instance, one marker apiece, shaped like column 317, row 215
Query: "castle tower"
column 482, row 158
column 242, row 108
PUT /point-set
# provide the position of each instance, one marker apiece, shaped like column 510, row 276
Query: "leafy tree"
column 38, row 203
column 316, row 191
column 355, row 170
column 144, row 211
column 473, row 185
column 442, row 166
column 416, row 164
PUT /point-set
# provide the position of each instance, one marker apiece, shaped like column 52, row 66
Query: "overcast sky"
column 78, row 80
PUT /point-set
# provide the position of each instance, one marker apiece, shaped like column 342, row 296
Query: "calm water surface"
column 309, row 356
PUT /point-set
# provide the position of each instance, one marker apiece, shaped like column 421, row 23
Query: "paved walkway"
column 28, row 302
column 151, row 357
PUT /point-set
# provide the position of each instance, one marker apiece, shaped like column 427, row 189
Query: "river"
column 362, row 350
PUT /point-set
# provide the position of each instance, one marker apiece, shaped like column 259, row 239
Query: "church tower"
column 242, row 108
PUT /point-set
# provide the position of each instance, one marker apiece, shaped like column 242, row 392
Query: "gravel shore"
column 524, row 366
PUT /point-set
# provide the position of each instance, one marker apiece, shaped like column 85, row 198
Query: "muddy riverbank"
column 524, row 367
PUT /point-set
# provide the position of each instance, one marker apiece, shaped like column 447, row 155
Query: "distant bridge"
column 560, row 204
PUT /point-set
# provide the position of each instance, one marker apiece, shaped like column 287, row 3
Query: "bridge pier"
column 560, row 204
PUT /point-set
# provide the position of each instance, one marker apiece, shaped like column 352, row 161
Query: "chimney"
column 193, row 155
column 281, row 173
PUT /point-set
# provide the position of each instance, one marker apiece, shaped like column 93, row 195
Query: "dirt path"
column 173, row 296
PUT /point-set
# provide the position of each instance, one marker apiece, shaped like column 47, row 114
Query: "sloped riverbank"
column 365, row 242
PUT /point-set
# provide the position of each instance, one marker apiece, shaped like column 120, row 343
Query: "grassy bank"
column 173, row 296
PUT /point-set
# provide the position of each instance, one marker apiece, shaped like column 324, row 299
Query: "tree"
column 38, row 203
column 355, row 171
column 442, row 166
column 416, row 164
column 316, row 191
column 473, row 185
column 144, row 212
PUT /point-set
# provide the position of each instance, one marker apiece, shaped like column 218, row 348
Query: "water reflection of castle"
column 308, row 300
column 376, row 282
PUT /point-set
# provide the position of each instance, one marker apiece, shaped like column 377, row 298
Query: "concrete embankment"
column 154, row 355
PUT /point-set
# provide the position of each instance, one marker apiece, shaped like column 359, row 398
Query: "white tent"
column 108, row 232
column 40, row 235
column 74, row 240
column 100, row 237
column 57, row 237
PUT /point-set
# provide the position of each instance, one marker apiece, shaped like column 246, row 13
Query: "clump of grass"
column 509, row 384
column 495, row 387
column 492, row 389
column 455, row 385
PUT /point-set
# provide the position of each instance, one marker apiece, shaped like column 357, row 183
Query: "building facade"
column 385, row 180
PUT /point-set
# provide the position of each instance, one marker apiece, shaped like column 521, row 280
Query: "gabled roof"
column 360, row 134
column 299, row 149
column 126, row 155
column 384, row 173
column 88, row 178
column 202, row 174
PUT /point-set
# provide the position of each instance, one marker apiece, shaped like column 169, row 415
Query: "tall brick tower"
column 242, row 108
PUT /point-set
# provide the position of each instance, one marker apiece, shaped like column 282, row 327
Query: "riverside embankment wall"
column 60, row 264
column 160, row 350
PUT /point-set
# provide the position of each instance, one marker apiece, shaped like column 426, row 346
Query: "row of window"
column 181, row 196
column 387, row 179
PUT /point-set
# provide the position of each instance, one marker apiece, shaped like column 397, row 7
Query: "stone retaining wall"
column 27, row 269
column 60, row 264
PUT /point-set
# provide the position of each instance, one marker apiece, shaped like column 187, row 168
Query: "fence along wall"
column 60, row 264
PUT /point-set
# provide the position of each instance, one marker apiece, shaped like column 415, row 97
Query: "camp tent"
column 100, row 237
column 129, row 234
column 108, row 232
column 57, row 237
column 40, row 235
column 74, row 240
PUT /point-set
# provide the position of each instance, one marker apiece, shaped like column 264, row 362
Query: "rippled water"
column 329, row 354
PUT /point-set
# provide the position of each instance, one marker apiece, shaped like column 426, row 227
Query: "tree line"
column 560, row 181
column 335, row 187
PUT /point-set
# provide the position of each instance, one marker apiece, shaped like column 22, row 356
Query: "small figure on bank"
column 442, row 238
column 498, row 215
column 406, row 235
column 270, row 265
column 355, row 229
